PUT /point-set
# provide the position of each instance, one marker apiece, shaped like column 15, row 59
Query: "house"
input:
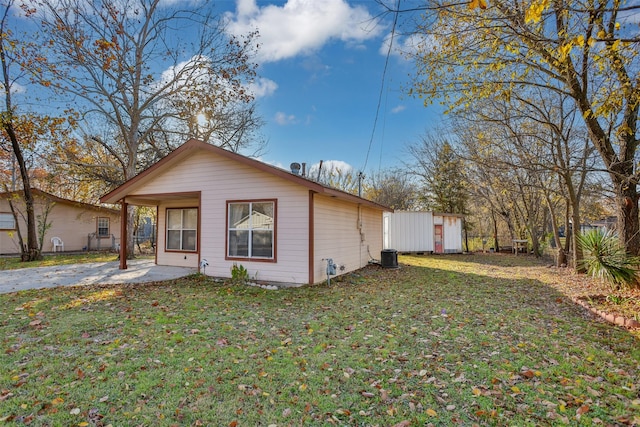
column 79, row 226
column 225, row 208
column 407, row 231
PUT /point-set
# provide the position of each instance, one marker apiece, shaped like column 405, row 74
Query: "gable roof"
column 194, row 145
column 44, row 195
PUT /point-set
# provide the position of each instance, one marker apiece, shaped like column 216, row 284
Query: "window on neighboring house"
column 103, row 227
column 7, row 221
column 251, row 229
column 182, row 229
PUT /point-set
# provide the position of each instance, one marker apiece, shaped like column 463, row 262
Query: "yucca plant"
column 605, row 258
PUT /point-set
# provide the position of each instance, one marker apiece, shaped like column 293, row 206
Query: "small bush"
column 239, row 274
column 606, row 259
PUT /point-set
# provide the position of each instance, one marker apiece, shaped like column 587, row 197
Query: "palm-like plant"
column 606, row 259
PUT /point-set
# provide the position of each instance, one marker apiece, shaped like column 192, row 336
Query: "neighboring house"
column 80, row 226
column 407, row 231
column 227, row 209
column 605, row 224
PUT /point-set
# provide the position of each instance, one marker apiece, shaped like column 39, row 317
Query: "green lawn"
column 48, row 260
column 448, row 340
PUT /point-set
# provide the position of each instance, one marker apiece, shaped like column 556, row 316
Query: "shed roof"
column 194, row 145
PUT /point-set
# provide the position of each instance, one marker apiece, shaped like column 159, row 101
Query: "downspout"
column 311, row 236
column 361, row 235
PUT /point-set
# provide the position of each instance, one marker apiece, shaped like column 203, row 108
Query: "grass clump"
column 606, row 259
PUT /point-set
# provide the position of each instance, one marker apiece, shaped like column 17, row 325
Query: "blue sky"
column 321, row 65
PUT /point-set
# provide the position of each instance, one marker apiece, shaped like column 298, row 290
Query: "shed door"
column 437, row 241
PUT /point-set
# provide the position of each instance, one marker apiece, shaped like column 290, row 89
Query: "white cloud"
column 15, row 89
column 301, row 26
column 398, row 109
column 270, row 162
column 331, row 167
column 263, row 87
column 284, row 119
column 195, row 70
column 407, row 46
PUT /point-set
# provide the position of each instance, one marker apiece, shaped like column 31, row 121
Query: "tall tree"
column 10, row 60
column 582, row 48
column 393, row 188
column 128, row 68
column 442, row 173
column 537, row 131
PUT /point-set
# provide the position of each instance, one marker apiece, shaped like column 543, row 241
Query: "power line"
column 384, row 74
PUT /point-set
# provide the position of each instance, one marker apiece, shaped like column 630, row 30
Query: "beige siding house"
column 78, row 226
column 227, row 209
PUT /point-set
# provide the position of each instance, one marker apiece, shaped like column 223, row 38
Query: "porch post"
column 123, row 234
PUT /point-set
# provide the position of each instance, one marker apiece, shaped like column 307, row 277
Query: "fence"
column 102, row 243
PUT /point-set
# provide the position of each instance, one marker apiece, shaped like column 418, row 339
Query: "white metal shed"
column 407, row 231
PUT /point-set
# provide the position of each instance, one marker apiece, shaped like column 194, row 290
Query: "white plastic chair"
column 56, row 243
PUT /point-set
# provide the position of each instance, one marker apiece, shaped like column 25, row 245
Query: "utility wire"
column 384, row 127
column 384, row 74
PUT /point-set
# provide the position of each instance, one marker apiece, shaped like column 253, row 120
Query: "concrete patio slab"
column 139, row 271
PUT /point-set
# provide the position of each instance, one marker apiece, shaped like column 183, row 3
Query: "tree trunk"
column 466, row 234
column 574, row 203
column 495, row 232
column 562, row 255
column 31, row 252
column 628, row 223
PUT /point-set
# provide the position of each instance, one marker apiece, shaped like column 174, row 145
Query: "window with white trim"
column 103, row 227
column 7, row 221
column 251, row 229
column 182, row 229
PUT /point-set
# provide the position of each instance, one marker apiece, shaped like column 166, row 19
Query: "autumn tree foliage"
column 22, row 132
column 583, row 49
column 140, row 86
column 544, row 140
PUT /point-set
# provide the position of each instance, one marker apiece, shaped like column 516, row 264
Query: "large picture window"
column 7, row 221
column 182, row 229
column 251, row 229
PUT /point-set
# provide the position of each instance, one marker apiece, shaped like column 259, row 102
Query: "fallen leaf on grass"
column 582, row 410
column 528, row 374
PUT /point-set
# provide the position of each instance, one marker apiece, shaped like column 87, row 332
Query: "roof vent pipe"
column 295, row 168
column 304, row 169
